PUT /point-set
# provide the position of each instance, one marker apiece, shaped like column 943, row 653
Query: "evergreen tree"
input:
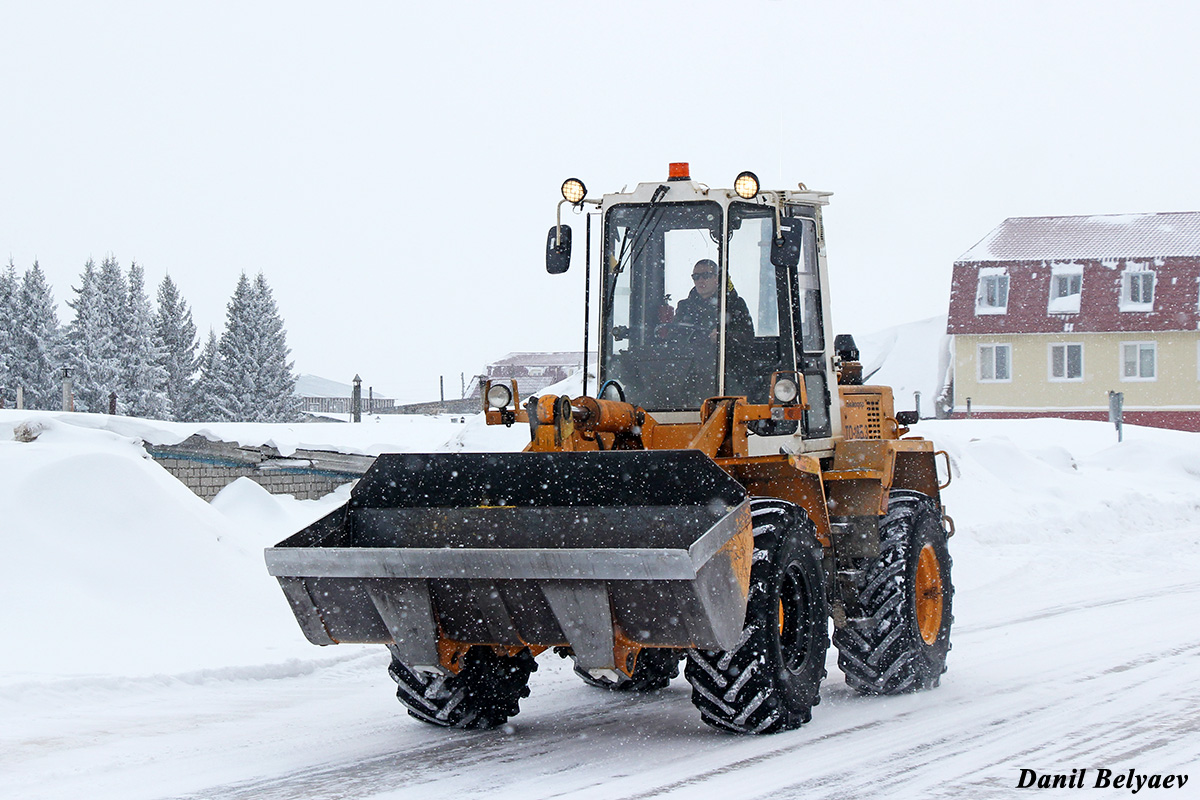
column 114, row 299
column 37, row 353
column 142, row 390
column 177, row 336
column 278, row 380
column 98, row 338
column 204, row 404
column 83, row 342
column 254, row 380
column 9, row 293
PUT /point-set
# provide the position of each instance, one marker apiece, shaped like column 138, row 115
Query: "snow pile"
column 909, row 358
column 382, row 433
column 1058, row 507
column 108, row 564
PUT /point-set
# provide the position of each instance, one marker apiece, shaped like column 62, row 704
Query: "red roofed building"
column 1050, row 314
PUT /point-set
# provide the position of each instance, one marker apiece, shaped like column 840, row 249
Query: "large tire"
column 484, row 693
column 905, row 595
column 771, row 678
column 655, row 668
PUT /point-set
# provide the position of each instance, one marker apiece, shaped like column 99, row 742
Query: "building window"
column 1137, row 290
column 1066, row 287
column 1066, row 362
column 992, row 294
column 995, row 362
column 1139, row 361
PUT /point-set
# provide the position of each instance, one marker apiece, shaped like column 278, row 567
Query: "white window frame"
column 1127, row 282
column 1065, row 377
column 999, row 276
column 1068, row 302
column 1121, row 361
column 991, row 361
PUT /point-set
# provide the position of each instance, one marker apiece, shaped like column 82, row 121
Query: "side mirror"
column 786, row 243
column 558, row 249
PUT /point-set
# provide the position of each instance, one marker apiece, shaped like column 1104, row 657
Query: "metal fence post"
column 1116, row 411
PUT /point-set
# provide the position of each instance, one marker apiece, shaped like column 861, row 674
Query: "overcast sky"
column 392, row 168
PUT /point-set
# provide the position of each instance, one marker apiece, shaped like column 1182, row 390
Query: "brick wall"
column 208, row 467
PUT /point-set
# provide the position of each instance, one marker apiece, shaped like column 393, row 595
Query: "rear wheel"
column 655, row 668
column 484, row 693
column 770, row 680
column 901, row 643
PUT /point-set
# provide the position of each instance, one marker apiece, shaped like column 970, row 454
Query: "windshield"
column 650, row 252
column 663, row 295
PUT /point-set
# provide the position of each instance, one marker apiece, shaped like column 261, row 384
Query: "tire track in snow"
column 973, row 743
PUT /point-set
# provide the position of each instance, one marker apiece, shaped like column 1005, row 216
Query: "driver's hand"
column 712, row 337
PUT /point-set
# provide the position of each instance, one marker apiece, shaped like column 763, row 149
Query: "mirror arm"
column 558, row 216
column 776, row 202
column 558, row 223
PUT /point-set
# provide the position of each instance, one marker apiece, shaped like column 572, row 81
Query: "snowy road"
column 1107, row 681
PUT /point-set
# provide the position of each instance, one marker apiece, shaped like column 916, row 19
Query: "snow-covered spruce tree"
column 114, row 299
column 37, row 352
column 143, row 388
column 82, row 348
column 207, row 389
column 278, row 376
column 176, row 334
column 96, row 336
column 254, row 379
column 9, row 289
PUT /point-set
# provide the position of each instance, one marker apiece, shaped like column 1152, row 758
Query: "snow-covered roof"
column 1101, row 236
column 557, row 359
column 316, row 386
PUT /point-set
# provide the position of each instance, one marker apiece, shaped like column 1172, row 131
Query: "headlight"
column 746, row 185
column 574, row 191
column 786, row 390
column 499, row 396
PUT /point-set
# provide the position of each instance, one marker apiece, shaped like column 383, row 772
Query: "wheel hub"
column 929, row 595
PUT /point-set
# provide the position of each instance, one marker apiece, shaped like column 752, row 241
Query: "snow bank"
column 382, row 433
column 110, row 565
column 909, row 358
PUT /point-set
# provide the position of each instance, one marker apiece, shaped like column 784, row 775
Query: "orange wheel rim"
column 929, row 595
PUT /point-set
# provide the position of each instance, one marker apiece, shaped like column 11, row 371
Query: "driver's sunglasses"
column 702, row 275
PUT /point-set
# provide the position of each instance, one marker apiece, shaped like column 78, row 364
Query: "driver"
column 701, row 308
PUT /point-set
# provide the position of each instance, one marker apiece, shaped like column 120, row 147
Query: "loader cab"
column 667, row 357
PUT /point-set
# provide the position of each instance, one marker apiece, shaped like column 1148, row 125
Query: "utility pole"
column 356, row 400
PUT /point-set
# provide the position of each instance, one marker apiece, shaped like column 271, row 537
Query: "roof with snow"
column 556, row 359
column 316, row 386
column 1096, row 237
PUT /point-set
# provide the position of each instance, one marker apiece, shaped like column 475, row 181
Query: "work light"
column 573, row 191
column 746, row 185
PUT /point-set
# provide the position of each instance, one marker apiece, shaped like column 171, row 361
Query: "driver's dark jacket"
column 703, row 314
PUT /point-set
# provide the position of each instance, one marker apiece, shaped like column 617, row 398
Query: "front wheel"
column 900, row 644
column 770, row 680
column 484, row 693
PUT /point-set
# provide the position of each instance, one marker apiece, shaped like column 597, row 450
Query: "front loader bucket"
column 579, row 549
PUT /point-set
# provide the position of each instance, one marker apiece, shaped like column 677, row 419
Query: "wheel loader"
column 729, row 494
